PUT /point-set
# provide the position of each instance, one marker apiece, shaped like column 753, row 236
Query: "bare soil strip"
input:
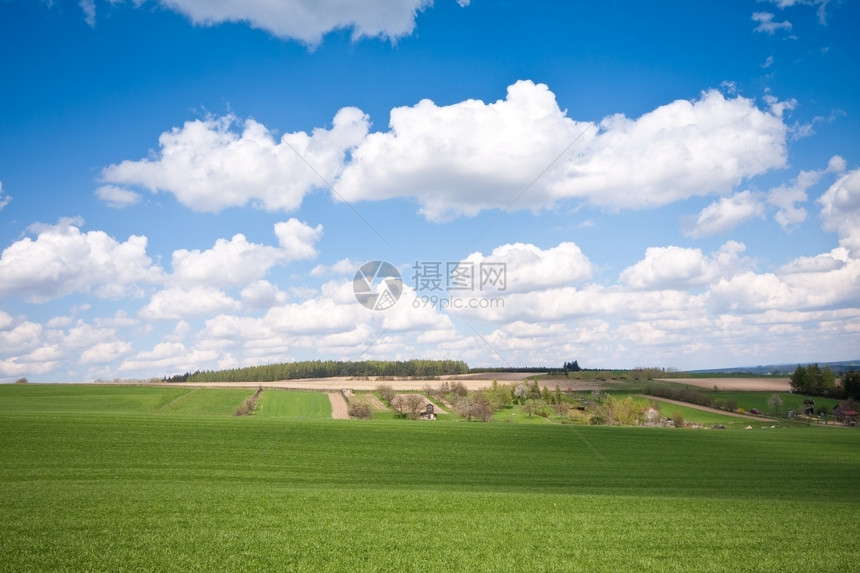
column 339, row 409
column 335, row 384
column 737, row 384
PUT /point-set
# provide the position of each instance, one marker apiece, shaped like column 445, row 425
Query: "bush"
column 21, row 381
column 597, row 420
column 678, row 419
column 386, row 392
column 247, row 407
column 475, row 406
column 360, row 410
column 459, row 389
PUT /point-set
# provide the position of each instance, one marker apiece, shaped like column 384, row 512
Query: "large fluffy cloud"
column 681, row 268
column 210, row 165
column 528, row 267
column 177, row 303
column 308, row 20
column 681, row 149
column 304, row 20
column 462, row 158
column 519, row 152
column 63, row 260
column 840, row 210
column 465, row 157
column 239, row 262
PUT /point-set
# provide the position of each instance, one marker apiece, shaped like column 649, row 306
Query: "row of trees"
column 328, row 369
column 813, row 380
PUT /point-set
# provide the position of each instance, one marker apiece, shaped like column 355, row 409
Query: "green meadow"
column 98, row 478
column 288, row 404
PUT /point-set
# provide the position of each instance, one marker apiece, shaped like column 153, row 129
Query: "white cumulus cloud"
column 304, row 20
column 463, row 158
column 840, row 210
column 675, row 267
column 726, row 214
column 308, row 20
column 239, row 262
column 209, row 166
column 176, row 303
column 786, row 198
column 528, row 267
column 466, row 157
column 117, row 197
column 63, row 260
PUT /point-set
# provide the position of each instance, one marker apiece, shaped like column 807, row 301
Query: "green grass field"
column 706, row 418
column 750, row 400
column 96, row 483
column 281, row 404
column 116, row 399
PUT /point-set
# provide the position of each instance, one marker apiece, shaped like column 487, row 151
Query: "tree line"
column 327, row 369
column 813, row 380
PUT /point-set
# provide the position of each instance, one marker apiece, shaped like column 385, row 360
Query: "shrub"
column 360, row 410
column 414, row 406
column 597, row 420
column 475, row 406
column 775, row 403
column 247, row 407
column 678, row 419
column 459, row 389
column 386, row 392
column 21, row 381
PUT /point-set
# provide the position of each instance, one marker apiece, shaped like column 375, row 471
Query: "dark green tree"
column 800, row 380
column 851, row 384
column 571, row 367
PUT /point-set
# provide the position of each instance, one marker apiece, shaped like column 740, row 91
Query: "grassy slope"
column 280, row 404
column 107, row 491
column 115, row 399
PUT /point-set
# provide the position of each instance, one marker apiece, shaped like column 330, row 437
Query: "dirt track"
column 339, row 409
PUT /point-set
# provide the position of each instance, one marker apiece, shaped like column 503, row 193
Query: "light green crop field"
column 101, row 481
column 116, row 399
column 705, row 417
column 283, row 404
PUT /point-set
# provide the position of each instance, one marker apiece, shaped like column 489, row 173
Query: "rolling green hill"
column 107, row 484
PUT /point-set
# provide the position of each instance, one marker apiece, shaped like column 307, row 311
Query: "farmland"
column 166, row 479
column 276, row 404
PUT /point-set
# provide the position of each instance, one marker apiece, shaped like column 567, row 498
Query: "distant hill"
column 780, row 369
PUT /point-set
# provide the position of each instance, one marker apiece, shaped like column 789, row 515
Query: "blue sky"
column 187, row 185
